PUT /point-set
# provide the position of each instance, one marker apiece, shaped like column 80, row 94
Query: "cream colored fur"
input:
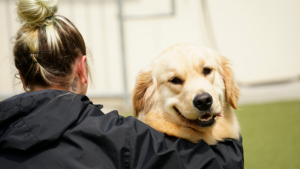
column 155, row 97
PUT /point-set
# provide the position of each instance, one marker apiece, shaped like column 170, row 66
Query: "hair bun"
column 35, row 12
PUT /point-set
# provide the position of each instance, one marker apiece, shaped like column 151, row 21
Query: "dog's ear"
column 232, row 91
column 143, row 92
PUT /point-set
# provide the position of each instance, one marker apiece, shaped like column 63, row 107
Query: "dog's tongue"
column 220, row 115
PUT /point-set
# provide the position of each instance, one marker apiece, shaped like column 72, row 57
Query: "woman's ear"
column 79, row 84
column 82, row 69
column 143, row 93
column 232, row 91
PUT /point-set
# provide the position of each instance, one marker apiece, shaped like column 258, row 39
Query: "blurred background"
column 260, row 37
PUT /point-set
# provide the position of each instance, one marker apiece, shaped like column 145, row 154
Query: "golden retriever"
column 188, row 92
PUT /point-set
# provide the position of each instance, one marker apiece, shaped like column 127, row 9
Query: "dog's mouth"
column 205, row 120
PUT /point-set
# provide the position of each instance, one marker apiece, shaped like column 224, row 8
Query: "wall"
column 261, row 37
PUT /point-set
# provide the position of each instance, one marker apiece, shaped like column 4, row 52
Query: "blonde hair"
column 46, row 46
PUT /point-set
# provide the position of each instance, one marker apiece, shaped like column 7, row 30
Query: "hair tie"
column 49, row 17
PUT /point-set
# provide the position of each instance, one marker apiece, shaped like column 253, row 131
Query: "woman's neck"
column 37, row 88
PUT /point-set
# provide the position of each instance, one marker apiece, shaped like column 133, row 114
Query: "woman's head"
column 48, row 47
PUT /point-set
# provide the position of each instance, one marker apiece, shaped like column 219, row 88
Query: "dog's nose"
column 203, row 101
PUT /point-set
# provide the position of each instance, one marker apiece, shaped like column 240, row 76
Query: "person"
column 54, row 125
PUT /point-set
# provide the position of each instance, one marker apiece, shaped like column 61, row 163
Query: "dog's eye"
column 206, row 71
column 176, row 80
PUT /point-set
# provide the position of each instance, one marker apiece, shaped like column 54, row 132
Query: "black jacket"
column 57, row 129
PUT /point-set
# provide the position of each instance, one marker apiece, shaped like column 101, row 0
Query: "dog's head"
column 190, row 83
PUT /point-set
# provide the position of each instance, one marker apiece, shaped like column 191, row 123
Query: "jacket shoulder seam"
column 29, row 129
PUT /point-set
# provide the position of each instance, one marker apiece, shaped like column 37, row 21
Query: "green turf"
column 271, row 135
